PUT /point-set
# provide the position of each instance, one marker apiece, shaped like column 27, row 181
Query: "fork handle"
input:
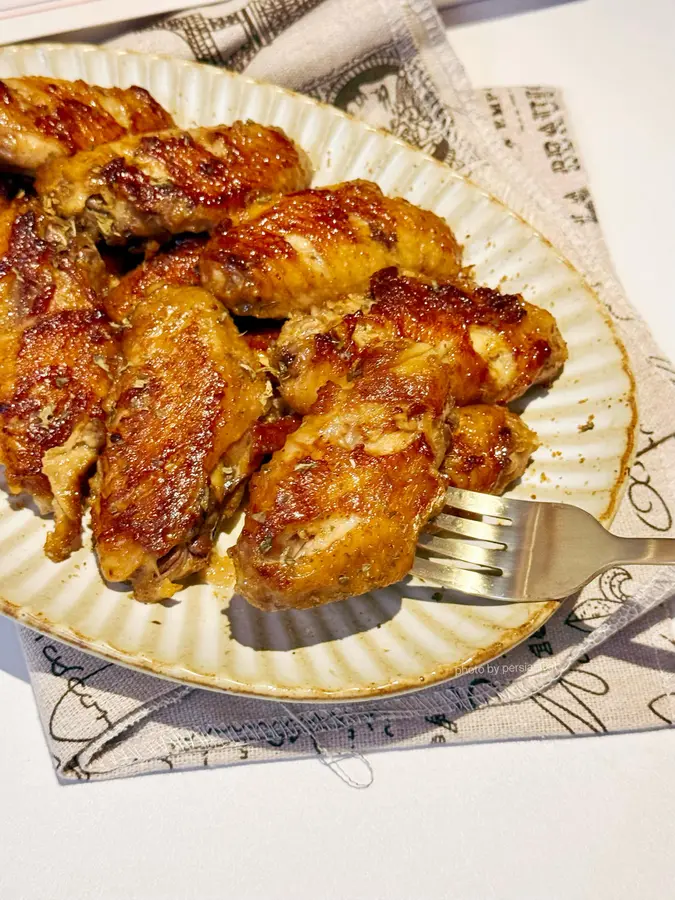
column 644, row 551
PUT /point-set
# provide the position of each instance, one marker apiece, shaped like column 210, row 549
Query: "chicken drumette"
column 307, row 249
column 497, row 345
column 155, row 185
column 490, row 447
column 45, row 118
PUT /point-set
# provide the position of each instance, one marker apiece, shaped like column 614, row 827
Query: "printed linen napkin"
column 389, row 62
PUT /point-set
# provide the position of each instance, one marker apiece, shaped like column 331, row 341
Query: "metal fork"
column 519, row 550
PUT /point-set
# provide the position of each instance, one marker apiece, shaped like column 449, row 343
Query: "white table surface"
column 576, row 818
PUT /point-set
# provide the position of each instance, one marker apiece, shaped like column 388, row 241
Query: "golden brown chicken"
column 338, row 510
column 45, row 118
column 497, row 345
column 309, row 248
column 57, row 358
column 160, row 184
column 176, row 266
column 490, row 447
column 179, row 417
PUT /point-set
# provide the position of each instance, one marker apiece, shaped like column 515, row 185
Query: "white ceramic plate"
column 390, row 641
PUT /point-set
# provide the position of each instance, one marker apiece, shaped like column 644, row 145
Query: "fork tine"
column 483, row 504
column 470, row 528
column 462, row 550
column 477, row 584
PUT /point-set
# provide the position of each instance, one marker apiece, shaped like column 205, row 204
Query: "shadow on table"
column 571, row 706
column 470, row 11
column 629, row 647
column 292, row 629
column 11, row 655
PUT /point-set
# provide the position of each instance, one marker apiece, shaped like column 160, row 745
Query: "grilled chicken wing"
column 57, row 357
column 498, row 345
column 490, row 447
column 160, row 184
column 338, row 510
column 191, row 391
column 308, row 248
column 176, row 266
column 44, row 118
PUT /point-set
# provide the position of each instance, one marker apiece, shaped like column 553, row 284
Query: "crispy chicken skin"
column 58, row 356
column 44, row 118
column 337, row 511
column 324, row 523
column 178, row 413
column 497, row 345
column 176, row 266
column 490, row 447
column 160, row 184
column 308, row 248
